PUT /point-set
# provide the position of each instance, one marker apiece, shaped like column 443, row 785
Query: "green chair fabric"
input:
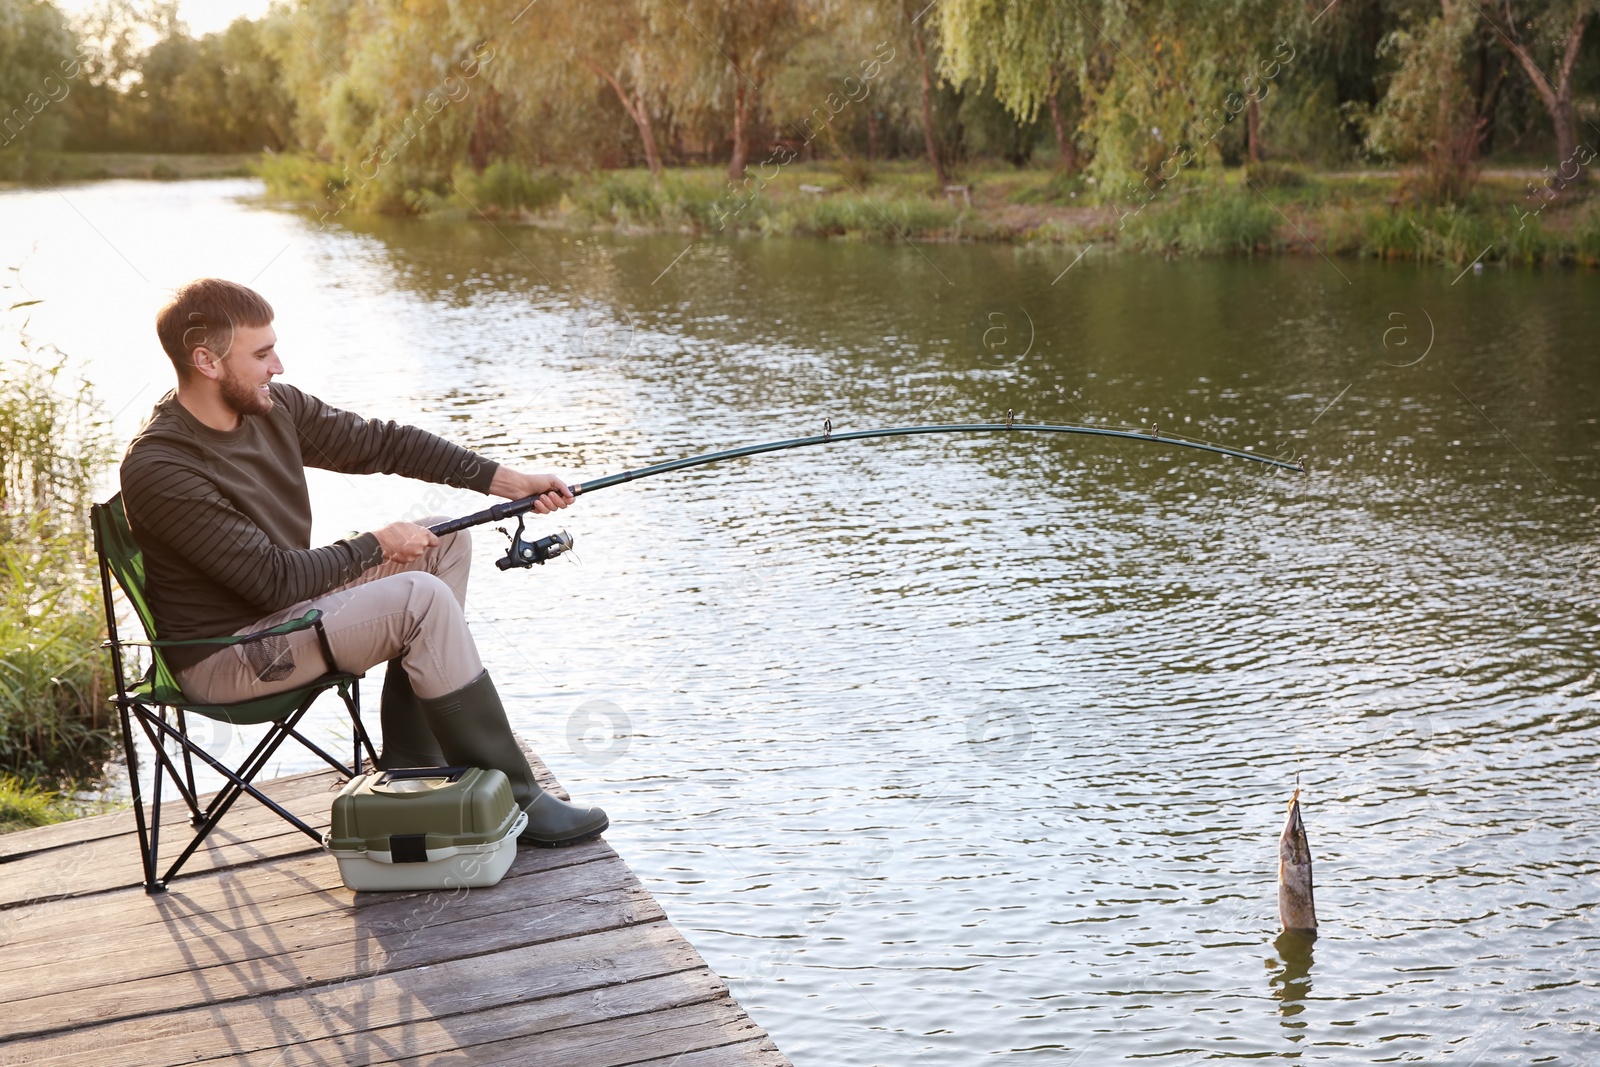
column 147, row 702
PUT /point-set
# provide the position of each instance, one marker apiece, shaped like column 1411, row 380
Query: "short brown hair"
column 204, row 314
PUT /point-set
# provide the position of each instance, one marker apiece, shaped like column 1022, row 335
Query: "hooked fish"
column 1296, row 910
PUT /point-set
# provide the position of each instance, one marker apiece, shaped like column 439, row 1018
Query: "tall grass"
column 25, row 804
column 55, row 725
column 1205, row 220
column 1586, row 236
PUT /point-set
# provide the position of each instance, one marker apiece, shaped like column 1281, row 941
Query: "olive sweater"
column 224, row 518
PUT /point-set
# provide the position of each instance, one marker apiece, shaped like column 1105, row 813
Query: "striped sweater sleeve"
column 342, row 441
column 172, row 503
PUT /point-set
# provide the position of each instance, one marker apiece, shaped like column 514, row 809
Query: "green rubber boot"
column 473, row 732
column 407, row 741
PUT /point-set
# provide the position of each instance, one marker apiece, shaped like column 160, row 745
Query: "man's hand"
column 552, row 492
column 403, row 542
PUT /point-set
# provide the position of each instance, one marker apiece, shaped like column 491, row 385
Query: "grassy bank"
column 24, row 805
column 1272, row 209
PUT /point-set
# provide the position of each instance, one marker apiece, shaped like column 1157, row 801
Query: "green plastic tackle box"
column 425, row 828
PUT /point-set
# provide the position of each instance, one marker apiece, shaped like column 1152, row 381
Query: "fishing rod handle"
column 510, row 509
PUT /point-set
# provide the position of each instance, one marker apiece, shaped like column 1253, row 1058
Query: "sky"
column 203, row 16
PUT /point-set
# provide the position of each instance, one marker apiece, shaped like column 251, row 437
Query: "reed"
column 56, row 728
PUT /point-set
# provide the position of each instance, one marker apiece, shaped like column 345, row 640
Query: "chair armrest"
column 310, row 619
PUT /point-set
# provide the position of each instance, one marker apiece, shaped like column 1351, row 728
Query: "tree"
column 1555, row 32
column 617, row 42
column 914, row 20
column 38, row 64
column 1160, row 83
column 725, row 52
column 1428, row 109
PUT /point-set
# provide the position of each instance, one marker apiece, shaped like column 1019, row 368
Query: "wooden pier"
column 258, row 955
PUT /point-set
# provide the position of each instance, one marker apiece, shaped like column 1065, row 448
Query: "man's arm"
column 342, row 441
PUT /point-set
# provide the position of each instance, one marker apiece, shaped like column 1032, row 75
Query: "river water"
column 965, row 749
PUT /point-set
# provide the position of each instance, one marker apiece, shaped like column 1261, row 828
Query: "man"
column 215, row 492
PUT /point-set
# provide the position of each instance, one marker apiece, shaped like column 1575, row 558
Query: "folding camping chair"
column 149, row 701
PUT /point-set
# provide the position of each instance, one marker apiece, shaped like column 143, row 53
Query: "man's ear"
column 206, row 362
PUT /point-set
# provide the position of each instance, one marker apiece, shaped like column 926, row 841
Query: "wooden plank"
column 432, row 1033
column 191, row 941
column 112, row 824
column 259, row 955
column 762, row 1052
column 571, row 969
column 267, row 892
column 113, row 863
column 514, row 1037
column 249, row 833
column 285, row 965
column 246, row 815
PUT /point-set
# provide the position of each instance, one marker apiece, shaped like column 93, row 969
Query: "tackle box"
column 425, row 828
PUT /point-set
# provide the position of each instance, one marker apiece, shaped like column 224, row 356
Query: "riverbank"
column 1268, row 210
column 157, row 166
column 24, row 805
column 1274, row 209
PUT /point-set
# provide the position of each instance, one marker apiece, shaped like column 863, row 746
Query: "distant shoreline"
column 1281, row 210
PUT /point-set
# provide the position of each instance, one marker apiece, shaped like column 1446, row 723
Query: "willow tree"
column 1161, row 82
column 725, row 53
column 312, row 43
column 838, row 84
column 387, row 89
column 1032, row 51
column 617, row 45
column 1428, row 110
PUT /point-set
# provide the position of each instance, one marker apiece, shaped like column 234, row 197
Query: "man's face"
column 252, row 362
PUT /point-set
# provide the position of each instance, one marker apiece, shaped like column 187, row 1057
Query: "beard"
column 243, row 399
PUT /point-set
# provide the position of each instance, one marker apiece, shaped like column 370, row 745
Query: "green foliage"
column 1586, row 236
column 36, row 58
column 855, row 216
column 1427, row 113
column 301, row 176
column 1455, row 236
column 1270, row 174
column 508, row 187
column 54, row 721
column 25, row 804
column 1205, row 220
column 1061, row 189
column 987, row 129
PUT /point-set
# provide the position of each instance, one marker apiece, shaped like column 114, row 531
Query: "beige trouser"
column 412, row 611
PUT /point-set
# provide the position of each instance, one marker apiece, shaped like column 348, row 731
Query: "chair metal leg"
column 158, row 769
column 252, row 763
column 188, row 769
column 162, row 759
column 177, row 766
column 147, row 856
column 237, row 786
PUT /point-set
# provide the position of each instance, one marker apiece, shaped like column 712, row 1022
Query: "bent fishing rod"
column 525, row 553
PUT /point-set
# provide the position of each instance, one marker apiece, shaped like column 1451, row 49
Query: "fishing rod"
column 525, row 553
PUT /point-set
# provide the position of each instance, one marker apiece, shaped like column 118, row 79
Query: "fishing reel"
column 525, row 553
